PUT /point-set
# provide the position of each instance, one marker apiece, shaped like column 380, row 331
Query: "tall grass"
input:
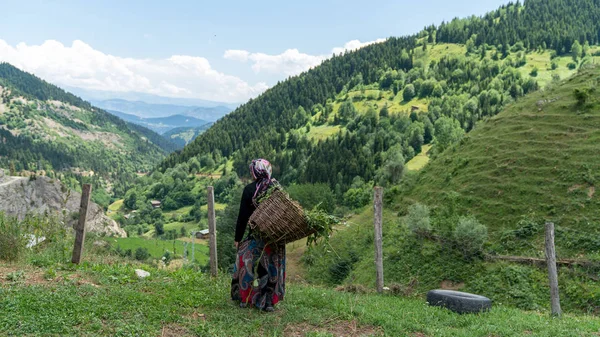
column 12, row 240
column 16, row 234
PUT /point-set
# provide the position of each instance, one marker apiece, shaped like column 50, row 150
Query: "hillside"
column 47, row 131
column 535, row 161
column 539, row 156
column 184, row 135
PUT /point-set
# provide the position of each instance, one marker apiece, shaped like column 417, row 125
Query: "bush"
column 408, row 93
column 572, row 65
column 12, row 240
column 142, row 254
column 470, row 235
column 159, row 228
column 418, row 220
column 15, row 236
column 534, row 72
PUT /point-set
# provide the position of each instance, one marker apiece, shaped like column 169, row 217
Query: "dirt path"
column 11, row 180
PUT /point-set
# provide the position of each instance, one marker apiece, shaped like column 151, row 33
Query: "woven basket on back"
column 279, row 219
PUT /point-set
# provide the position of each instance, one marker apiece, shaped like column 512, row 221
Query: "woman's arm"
column 246, row 209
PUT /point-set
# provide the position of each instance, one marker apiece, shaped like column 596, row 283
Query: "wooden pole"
column 212, row 231
column 86, row 192
column 552, row 273
column 378, row 212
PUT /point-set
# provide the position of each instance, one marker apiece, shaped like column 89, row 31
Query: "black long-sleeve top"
column 246, row 209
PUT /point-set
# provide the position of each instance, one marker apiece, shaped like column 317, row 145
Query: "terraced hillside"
column 540, row 155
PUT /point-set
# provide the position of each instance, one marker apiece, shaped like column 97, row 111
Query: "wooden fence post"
column 212, row 231
column 378, row 213
column 552, row 273
column 86, row 192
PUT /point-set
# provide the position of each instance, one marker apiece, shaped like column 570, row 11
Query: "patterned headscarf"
column 261, row 172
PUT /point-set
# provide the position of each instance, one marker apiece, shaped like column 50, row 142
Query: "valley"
column 480, row 131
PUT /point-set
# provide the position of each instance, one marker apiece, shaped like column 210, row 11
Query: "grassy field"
column 322, row 132
column 108, row 300
column 157, row 247
column 420, row 160
column 114, row 208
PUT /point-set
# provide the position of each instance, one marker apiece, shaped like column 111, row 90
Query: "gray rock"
column 141, row 273
column 19, row 196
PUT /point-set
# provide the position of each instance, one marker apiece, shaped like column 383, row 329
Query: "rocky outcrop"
column 19, row 196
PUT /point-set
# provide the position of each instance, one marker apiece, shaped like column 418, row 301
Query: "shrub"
column 572, row 65
column 12, row 240
column 142, row 254
column 167, row 258
column 534, row 72
column 418, row 219
column 470, row 235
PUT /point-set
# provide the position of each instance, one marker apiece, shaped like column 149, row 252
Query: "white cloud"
column 82, row 66
column 354, row 45
column 290, row 62
column 236, row 55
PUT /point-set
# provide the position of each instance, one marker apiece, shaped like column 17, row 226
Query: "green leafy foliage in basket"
column 322, row 223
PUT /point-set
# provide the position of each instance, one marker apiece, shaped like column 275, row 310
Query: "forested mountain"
column 452, row 84
column 45, row 130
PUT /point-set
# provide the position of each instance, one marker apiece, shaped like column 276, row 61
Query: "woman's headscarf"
column 261, row 172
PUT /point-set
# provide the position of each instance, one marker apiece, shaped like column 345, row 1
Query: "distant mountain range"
column 161, row 124
column 98, row 95
column 148, row 110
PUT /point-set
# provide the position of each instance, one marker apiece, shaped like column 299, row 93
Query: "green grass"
column 178, row 212
column 218, row 207
column 323, row 132
column 114, row 208
column 420, row 160
column 108, row 300
column 187, row 225
column 157, row 247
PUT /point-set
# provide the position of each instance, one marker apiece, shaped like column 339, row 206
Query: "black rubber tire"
column 459, row 302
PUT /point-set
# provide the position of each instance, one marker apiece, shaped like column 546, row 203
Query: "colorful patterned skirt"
column 268, row 263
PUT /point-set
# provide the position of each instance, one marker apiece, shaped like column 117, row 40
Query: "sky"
column 226, row 51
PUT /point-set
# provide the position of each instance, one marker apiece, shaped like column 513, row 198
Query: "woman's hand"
column 236, row 244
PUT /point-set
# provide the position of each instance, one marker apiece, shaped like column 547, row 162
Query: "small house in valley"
column 155, row 203
column 203, row 234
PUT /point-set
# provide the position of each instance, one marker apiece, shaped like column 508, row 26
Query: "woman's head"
column 260, row 169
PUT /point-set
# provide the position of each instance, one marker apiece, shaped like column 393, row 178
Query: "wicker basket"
column 279, row 219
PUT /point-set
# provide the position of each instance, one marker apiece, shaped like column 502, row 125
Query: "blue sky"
column 138, row 39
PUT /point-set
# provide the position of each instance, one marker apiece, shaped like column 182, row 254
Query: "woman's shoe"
column 269, row 309
column 243, row 305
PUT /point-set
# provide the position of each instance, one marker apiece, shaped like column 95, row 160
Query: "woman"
column 254, row 259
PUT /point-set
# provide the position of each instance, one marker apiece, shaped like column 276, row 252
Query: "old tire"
column 459, row 302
